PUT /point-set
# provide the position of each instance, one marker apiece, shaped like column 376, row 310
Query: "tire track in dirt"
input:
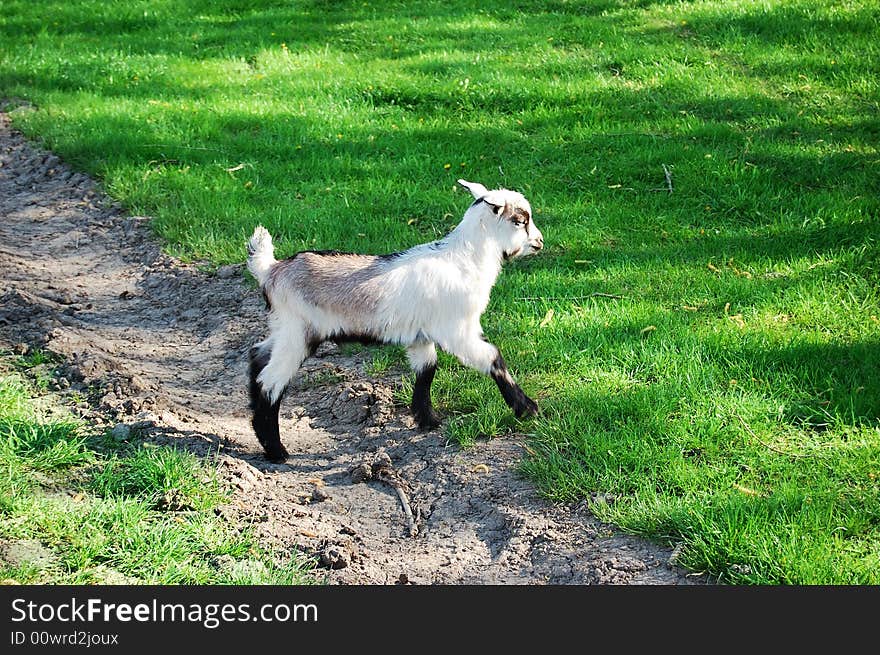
column 161, row 348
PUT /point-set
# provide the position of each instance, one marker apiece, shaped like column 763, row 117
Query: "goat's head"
column 509, row 216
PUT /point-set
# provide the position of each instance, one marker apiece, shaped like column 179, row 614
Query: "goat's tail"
column 261, row 254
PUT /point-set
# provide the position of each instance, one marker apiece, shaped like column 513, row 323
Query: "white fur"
column 432, row 294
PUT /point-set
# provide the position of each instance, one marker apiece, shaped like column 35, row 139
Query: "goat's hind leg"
column 272, row 364
column 423, row 360
column 265, row 412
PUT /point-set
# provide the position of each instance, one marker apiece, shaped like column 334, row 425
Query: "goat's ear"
column 496, row 209
column 496, row 200
column 476, row 189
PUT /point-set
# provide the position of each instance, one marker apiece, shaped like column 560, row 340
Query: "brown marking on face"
column 520, row 215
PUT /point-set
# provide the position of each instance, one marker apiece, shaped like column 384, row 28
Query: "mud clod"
column 361, row 473
column 336, row 556
column 319, row 495
column 121, row 432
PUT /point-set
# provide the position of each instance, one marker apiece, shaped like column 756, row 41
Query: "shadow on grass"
column 835, row 383
column 816, row 386
column 305, row 159
column 791, row 24
column 238, row 28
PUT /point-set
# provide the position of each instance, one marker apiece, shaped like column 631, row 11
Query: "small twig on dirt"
column 404, row 501
column 380, row 469
column 597, row 294
column 764, row 443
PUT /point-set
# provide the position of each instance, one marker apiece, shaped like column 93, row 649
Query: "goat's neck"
column 476, row 249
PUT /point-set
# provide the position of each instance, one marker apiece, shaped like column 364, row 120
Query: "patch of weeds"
column 466, row 429
column 250, row 571
column 351, row 349
column 167, row 478
column 323, row 377
column 35, row 357
column 379, row 364
column 25, row 573
column 28, row 443
column 403, row 392
column 45, row 446
column 39, row 365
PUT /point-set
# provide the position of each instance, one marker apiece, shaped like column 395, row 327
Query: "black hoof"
column 276, row 455
column 429, row 420
column 526, row 408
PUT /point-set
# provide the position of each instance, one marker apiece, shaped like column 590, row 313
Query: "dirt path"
column 163, row 349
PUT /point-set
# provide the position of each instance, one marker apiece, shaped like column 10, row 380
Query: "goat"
column 430, row 295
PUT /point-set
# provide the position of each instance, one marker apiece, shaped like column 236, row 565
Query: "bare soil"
column 156, row 348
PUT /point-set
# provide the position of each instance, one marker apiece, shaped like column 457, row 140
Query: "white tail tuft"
column 261, row 254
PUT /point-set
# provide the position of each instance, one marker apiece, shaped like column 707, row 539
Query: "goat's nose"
column 538, row 243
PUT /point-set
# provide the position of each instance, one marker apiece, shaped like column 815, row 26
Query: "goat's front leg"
column 478, row 353
column 423, row 359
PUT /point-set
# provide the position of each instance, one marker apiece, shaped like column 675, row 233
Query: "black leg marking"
column 265, row 417
column 312, row 344
column 513, row 395
column 425, row 415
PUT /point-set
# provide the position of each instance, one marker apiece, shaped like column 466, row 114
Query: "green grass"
column 99, row 513
column 744, row 424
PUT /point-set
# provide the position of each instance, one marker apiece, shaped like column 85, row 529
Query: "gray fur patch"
column 348, row 284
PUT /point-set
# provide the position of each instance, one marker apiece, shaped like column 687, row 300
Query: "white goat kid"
column 430, row 295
